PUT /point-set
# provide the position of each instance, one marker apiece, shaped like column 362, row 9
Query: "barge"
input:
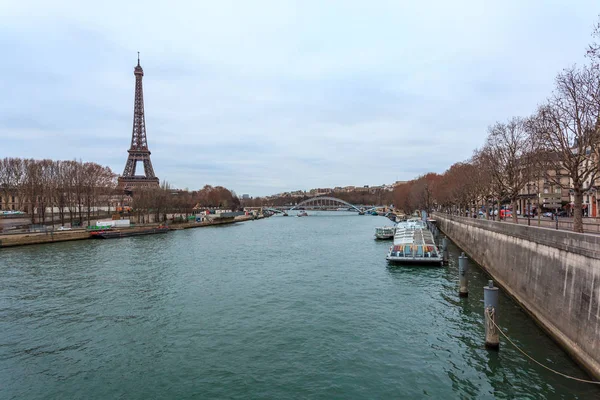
column 112, row 234
column 414, row 244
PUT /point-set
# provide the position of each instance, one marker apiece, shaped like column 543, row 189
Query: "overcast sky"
column 268, row 96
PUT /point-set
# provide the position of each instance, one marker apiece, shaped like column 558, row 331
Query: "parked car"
column 505, row 213
column 547, row 214
column 64, row 228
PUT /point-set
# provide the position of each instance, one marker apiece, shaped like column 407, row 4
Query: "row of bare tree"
column 155, row 204
column 68, row 187
column 73, row 190
column 558, row 144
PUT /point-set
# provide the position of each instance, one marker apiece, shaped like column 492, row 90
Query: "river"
column 278, row 308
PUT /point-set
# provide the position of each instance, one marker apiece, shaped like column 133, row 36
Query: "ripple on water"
column 279, row 308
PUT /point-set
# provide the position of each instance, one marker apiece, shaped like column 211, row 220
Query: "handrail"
column 588, row 227
column 583, row 243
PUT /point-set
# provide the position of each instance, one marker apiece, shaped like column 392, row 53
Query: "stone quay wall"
column 553, row 274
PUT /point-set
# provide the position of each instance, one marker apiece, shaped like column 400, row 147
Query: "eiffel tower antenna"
column 139, row 144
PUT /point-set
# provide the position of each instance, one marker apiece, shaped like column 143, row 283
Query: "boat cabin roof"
column 417, row 237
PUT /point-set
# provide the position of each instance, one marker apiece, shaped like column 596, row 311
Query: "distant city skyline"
column 270, row 97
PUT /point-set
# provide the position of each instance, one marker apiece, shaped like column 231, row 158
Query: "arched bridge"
column 324, row 203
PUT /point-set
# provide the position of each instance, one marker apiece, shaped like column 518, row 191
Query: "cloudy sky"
column 267, row 96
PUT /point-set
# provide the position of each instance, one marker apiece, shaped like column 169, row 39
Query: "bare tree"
column 4, row 181
column 489, row 191
column 506, row 151
column 593, row 51
column 566, row 131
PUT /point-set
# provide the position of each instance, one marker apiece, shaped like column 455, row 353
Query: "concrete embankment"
column 39, row 238
column 216, row 221
column 11, row 240
column 554, row 275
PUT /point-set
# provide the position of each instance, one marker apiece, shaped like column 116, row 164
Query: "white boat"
column 412, row 223
column 414, row 244
column 385, row 232
column 302, row 214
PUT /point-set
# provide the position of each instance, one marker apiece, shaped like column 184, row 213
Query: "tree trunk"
column 513, row 204
column 577, row 212
column 61, row 211
column 498, row 210
column 89, row 204
column 52, row 212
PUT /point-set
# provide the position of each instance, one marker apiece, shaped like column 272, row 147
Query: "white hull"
column 385, row 232
column 415, row 260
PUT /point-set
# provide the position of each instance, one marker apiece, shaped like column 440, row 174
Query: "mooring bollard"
column 490, row 302
column 463, row 280
column 445, row 250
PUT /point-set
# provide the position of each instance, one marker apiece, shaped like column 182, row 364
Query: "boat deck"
column 414, row 244
column 112, row 234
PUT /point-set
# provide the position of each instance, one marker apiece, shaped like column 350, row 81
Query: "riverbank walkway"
column 28, row 238
column 590, row 225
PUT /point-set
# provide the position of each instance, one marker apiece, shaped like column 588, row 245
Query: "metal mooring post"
column 463, row 280
column 490, row 301
column 445, row 250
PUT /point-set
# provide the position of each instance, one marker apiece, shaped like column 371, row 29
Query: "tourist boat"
column 411, row 223
column 302, row 214
column 414, row 244
column 385, row 232
column 111, row 234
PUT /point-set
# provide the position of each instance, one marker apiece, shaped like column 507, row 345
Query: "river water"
column 278, row 308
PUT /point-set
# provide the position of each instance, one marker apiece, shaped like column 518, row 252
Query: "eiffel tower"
column 139, row 144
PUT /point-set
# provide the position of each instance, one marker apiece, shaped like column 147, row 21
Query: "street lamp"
column 539, row 208
column 593, row 204
column 528, row 205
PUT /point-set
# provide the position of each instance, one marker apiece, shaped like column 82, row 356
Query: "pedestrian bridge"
column 329, row 203
column 324, row 203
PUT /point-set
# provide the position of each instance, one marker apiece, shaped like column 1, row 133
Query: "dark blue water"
column 277, row 308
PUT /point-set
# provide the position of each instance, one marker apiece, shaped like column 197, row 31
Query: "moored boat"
column 385, row 232
column 111, row 233
column 414, row 244
column 302, row 213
